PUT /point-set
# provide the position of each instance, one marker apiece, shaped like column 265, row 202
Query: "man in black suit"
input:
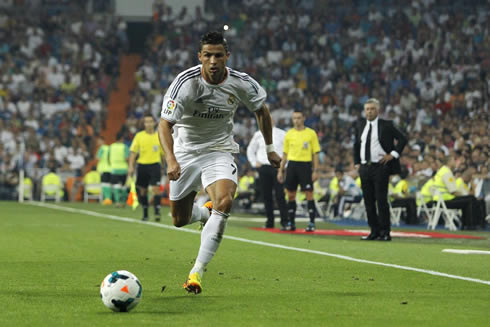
column 376, row 155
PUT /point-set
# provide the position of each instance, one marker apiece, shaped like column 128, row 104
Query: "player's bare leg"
column 221, row 193
column 185, row 211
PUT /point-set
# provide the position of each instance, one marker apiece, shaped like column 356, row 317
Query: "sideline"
column 273, row 245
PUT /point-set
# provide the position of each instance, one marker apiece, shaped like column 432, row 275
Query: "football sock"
column 106, row 191
column 211, row 237
column 117, row 195
column 143, row 199
column 123, row 192
column 311, row 210
column 292, row 211
column 157, row 203
column 199, row 214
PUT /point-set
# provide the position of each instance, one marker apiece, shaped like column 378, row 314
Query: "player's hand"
column 173, row 170
column 314, row 176
column 388, row 157
column 274, row 159
column 280, row 176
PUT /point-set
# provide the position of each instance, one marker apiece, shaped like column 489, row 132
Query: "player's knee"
column 224, row 204
column 178, row 221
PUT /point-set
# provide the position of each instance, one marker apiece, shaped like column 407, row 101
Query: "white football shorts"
column 201, row 169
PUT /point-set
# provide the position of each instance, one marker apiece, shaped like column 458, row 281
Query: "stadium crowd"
column 57, row 67
column 426, row 60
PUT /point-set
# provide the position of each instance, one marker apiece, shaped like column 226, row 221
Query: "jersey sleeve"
column 173, row 100
column 252, row 94
column 135, row 147
column 315, row 144
column 172, row 110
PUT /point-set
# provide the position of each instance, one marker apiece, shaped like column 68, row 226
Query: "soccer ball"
column 121, row 291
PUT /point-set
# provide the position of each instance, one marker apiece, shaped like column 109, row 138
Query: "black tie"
column 368, row 145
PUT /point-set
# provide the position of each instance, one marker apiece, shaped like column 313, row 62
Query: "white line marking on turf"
column 465, row 251
column 273, row 245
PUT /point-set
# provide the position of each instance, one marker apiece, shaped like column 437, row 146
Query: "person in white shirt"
column 348, row 191
column 198, row 108
column 257, row 156
column 376, row 155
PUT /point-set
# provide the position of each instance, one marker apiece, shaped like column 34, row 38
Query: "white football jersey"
column 203, row 112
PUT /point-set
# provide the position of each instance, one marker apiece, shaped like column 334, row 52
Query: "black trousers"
column 410, row 205
column 374, row 179
column 473, row 216
column 270, row 185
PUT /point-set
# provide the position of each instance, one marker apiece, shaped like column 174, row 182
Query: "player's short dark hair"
column 339, row 169
column 148, row 114
column 298, row 110
column 213, row 37
column 120, row 134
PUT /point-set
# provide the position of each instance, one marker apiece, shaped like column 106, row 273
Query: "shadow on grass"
column 172, row 304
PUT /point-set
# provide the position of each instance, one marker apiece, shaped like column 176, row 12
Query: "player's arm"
column 134, row 149
column 167, row 143
column 282, row 168
column 252, row 151
column 264, row 120
column 132, row 160
column 316, row 167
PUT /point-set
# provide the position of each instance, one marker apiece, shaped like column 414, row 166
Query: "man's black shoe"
column 384, row 237
column 370, row 237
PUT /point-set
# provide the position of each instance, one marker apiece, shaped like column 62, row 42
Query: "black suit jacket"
column 387, row 134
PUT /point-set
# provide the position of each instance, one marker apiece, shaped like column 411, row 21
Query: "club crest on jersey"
column 231, row 100
column 305, row 145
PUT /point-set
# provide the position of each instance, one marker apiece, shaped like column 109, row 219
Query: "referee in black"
column 301, row 148
column 376, row 155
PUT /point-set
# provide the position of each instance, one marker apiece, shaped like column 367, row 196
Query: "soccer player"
column 104, row 168
column 301, row 148
column 146, row 147
column 199, row 107
column 118, row 158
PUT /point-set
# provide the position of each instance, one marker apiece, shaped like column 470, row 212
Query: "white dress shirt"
column 377, row 152
column 256, row 152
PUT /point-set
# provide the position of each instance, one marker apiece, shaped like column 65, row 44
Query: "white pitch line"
column 272, row 245
column 465, row 251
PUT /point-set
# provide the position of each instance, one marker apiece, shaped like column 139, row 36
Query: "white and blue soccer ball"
column 121, row 291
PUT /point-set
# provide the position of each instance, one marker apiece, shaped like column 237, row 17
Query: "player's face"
column 298, row 120
column 213, row 58
column 371, row 111
column 149, row 123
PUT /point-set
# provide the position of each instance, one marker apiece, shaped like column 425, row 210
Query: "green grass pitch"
column 52, row 263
